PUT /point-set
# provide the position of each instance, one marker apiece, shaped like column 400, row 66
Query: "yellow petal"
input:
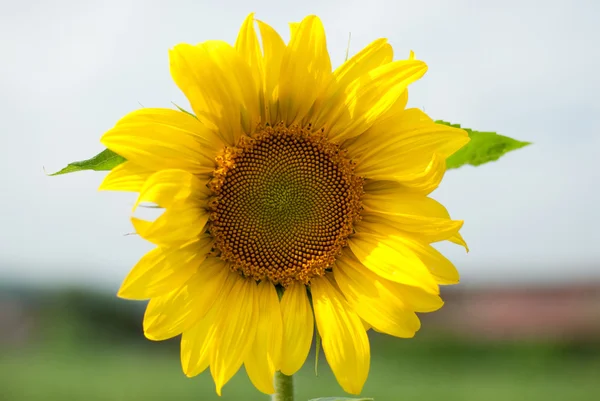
column 127, row 176
column 161, row 139
column 377, row 53
column 235, row 332
column 184, row 197
column 415, row 298
column 392, row 201
column 181, row 222
column 171, row 314
column 426, row 181
column 374, row 301
column 389, row 258
column 371, row 96
column 298, row 327
column 389, row 128
column 459, row 240
column 443, row 271
column 219, row 85
column 343, row 337
column 389, row 197
column 263, row 359
column 273, row 49
column 197, row 343
column 166, row 187
column 418, row 182
column 305, row 70
column 360, row 144
column 426, row 228
column 293, row 29
column 164, row 269
column 248, row 47
column 366, row 325
column 406, row 145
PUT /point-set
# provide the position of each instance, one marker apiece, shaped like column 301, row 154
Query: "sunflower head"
column 285, row 203
column 288, row 178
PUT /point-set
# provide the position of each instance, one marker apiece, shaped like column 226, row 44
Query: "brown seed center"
column 286, row 201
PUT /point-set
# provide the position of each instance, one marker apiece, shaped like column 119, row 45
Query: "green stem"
column 284, row 387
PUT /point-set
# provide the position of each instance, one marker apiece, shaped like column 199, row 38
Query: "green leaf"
column 340, row 399
column 484, row 147
column 103, row 161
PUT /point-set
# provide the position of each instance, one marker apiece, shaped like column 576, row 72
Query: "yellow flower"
column 295, row 195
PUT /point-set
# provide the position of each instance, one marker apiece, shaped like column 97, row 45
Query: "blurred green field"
column 423, row 371
column 87, row 347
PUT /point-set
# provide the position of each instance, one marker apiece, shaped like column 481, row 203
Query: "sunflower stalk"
column 284, row 387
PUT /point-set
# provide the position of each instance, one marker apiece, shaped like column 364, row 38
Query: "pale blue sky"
column 528, row 69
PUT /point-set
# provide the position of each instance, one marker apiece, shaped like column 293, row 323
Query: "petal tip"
column 218, row 389
column 152, row 337
column 126, row 293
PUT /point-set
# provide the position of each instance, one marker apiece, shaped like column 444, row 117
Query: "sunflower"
column 293, row 196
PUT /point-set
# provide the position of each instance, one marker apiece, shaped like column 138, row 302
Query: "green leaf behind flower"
column 484, row 147
column 340, row 399
column 103, row 161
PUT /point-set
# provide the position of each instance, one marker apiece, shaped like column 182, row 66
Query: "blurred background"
column 524, row 324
